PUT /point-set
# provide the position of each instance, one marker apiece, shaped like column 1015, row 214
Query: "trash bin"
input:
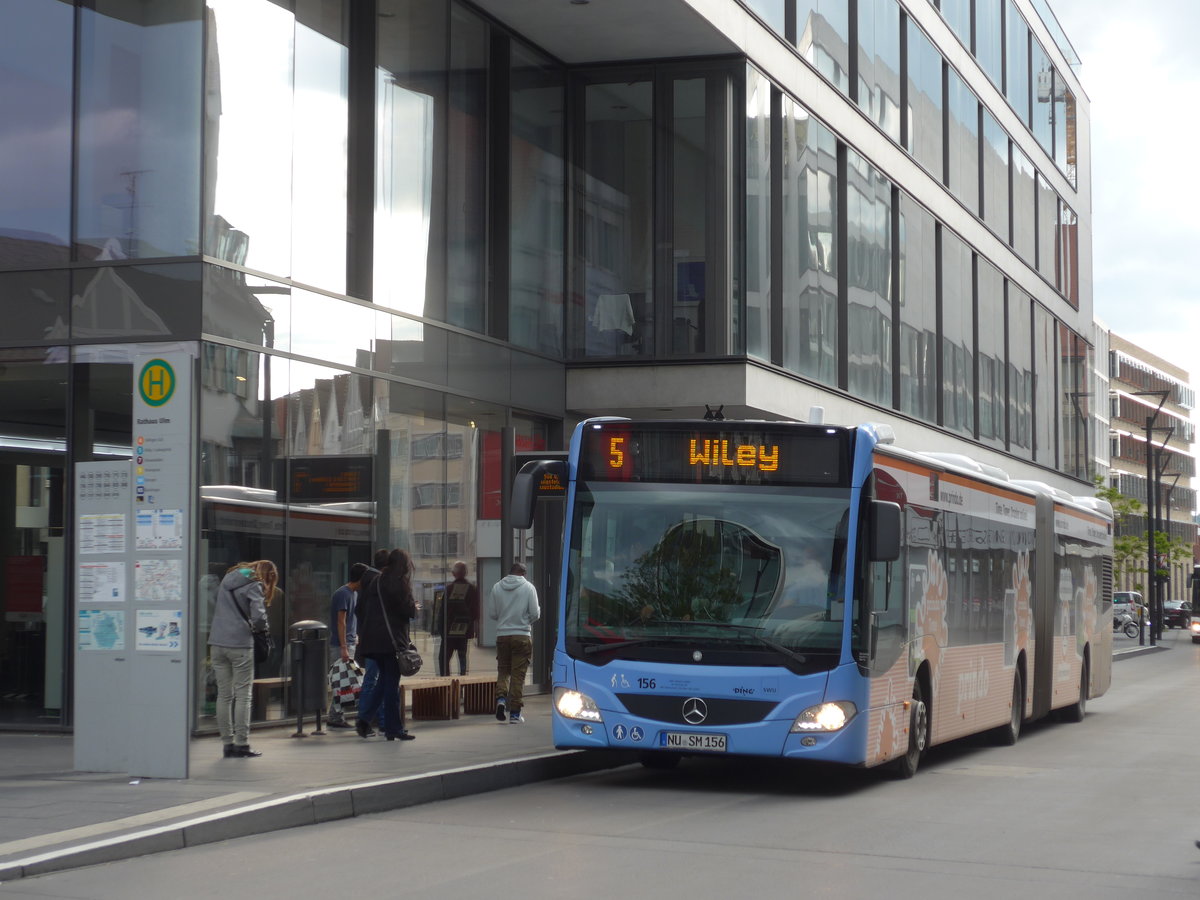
column 308, row 649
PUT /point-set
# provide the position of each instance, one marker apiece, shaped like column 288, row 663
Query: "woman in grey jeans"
column 241, row 608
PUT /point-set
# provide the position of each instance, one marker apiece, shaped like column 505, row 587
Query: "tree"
column 1129, row 550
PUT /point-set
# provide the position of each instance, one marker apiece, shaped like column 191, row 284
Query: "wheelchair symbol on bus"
column 636, row 733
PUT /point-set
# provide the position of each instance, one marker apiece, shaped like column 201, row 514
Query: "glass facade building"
column 408, row 237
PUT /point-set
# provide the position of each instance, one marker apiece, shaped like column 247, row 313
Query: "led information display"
column 721, row 453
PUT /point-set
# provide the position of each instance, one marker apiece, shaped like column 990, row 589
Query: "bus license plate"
column 676, row 740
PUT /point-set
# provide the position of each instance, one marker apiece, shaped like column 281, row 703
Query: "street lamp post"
column 1162, row 518
column 1151, row 504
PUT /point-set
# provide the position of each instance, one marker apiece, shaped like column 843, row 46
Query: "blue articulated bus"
column 813, row 592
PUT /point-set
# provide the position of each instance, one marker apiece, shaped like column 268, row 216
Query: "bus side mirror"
column 885, row 531
column 542, row 477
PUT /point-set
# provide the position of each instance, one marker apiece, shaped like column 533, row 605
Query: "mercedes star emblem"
column 695, row 710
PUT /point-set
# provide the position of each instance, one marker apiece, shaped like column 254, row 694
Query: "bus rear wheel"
column 1077, row 710
column 1007, row 734
column 918, row 736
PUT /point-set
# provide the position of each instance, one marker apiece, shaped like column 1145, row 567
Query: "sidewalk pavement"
column 53, row 818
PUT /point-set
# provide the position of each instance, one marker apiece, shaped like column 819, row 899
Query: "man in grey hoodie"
column 513, row 605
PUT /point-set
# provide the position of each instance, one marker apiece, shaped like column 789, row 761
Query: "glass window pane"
column 1043, row 95
column 957, row 14
column 1064, row 129
column 139, row 129
column 147, row 302
column 1020, row 374
column 34, row 306
column 869, row 252
column 963, row 149
column 810, row 240
column 924, row 101
column 1045, row 397
column 879, row 63
column 1016, row 61
column 410, row 90
column 35, row 133
column 246, row 308
column 958, row 328
column 756, row 326
column 249, row 126
column 347, row 331
column 991, row 354
column 987, row 37
column 918, row 311
column 33, row 458
column 1076, row 406
column 995, row 175
column 1024, row 193
column 1047, row 229
column 615, row 219
column 823, row 38
column 691, row 305
column 537, row 173
column 1068, row 254
column 478, row 368
column 771, row 12
column 413, row 350
column 466, row 163
column 321, row 120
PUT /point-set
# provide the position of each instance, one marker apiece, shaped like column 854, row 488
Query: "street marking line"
column 149, row 818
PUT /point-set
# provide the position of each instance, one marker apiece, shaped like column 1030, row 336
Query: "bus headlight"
column 1195, row 626
column 574, row 705
column 825, row 717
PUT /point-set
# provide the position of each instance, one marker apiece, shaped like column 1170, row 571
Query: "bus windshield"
column 656, row 568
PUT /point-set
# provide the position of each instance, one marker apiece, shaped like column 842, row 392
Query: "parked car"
column 1176, row 613
column 1129, row 602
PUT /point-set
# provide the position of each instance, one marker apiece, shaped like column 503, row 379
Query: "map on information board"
column 101, row 629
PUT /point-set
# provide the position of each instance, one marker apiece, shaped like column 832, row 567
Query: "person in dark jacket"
column 370, row 680
column 385, row 609
column 240, row 610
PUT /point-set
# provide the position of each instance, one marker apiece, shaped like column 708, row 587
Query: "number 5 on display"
column 616, row 452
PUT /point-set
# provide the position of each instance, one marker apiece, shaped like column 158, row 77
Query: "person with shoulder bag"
column 385, row 608
column 238, row 635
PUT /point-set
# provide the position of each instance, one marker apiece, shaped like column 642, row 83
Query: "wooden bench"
column 432, row 698
column 260, row 695
column 478, row 694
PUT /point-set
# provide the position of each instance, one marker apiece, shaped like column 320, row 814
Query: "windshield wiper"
column 756, row 633
column 633, row 642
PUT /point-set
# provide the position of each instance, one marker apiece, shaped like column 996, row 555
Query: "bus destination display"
column 624, row 451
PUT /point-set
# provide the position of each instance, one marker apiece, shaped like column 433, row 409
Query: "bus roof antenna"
column 816, row 415
column 714, row 415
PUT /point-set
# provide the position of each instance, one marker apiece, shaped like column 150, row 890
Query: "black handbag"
column 263, row 644
column 409, row 660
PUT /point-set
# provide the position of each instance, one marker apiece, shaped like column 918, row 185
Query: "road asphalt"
column 54, row 818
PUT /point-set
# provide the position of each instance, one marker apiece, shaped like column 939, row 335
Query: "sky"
column 1141, row 73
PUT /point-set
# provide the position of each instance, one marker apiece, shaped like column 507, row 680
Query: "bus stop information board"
column 133, row 635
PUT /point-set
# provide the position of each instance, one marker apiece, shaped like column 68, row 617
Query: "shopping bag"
column 345, row 680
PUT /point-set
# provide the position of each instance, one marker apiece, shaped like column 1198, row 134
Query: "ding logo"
column 156, row 383
column 695, row 710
